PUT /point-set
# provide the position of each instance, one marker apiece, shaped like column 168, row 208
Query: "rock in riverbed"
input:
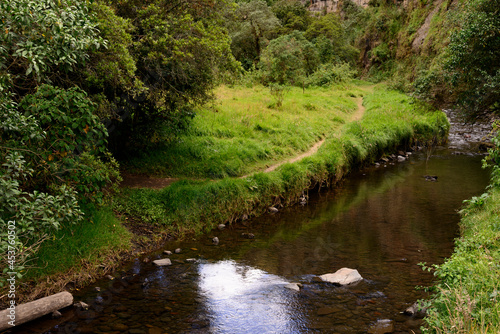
column 163, row 262
column 382, row 326
column 342, row 276
column 293, row 286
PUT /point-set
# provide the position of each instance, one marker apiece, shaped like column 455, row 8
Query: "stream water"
column 382, row 221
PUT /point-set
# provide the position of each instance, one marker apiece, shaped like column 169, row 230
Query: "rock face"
column 163, row 262
column 342, row 276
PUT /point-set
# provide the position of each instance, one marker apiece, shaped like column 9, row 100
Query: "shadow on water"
column 382, row 221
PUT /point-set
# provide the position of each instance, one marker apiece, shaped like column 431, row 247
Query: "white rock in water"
column 272, row 209
column 294, row 286
column 342, row 276
column 163, row 262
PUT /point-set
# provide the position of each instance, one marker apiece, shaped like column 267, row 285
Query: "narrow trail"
column 142, row 181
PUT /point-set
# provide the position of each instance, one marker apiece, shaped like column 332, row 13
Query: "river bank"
column 391, row 121
column 467, row 294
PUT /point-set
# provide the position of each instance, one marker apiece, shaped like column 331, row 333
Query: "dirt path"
column 141, row 181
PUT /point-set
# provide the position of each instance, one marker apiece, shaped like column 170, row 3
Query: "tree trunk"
column 33, row 310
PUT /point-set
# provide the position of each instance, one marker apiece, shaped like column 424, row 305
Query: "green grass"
column 91, row 241
column 242, row 132
column 391, row 119
column 468, row 292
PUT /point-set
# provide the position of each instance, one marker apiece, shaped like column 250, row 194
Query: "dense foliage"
column 473, row 62
column 53, row 151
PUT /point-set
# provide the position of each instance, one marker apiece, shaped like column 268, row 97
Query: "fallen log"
column 19, row 314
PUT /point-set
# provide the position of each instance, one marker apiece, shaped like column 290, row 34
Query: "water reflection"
column 242, row 299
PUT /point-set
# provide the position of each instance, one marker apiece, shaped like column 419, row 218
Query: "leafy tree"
column 473, row 62
column 329, row 37
column 43, row 40
column 179, row 49
column 293, row 15
column 254, row 24
column 289, row 59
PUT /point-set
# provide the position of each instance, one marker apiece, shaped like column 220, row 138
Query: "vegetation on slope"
column 391, row 119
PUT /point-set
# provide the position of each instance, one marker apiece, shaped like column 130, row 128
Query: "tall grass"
column 391, row 119
column 244, row 131
column 78, row 250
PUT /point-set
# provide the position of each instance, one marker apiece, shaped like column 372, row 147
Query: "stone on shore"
column 342, row 276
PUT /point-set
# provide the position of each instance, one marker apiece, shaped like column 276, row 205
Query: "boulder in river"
column 382, row 326
column 342, row 276
column 293, row 286
column 163, row 262
column 416, row 310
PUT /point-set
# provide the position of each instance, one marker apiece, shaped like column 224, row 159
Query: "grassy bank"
column 391, row 119
column 77, row 254
column 244, row 131
column 468, row 293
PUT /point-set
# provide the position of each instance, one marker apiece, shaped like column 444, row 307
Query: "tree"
column 44, row 40
column 473, row 62
column 293, row 15
column 329, row 37
column 253, row 26
column 289, row 59
column 179, row 49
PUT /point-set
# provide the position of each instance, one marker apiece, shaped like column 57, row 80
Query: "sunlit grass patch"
column 241, row 133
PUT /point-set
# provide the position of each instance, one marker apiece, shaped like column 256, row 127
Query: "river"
column 382, row 221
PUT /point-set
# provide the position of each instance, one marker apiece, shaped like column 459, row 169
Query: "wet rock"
column 56, row 315
column 110, row 277
column 123, row 315
column 119, row 327
column 327, row 310
column 98, row 289
column 294, row 286
column 342, row 276
column 416, row 310
column 221, row 226
column 248, row 235
column 99, row 300
column 432, row 178
column 191, row 260
column 163, row 262
column 401, row 158
column 272, row 209
column 177, row 250
column 155, row 330
column 384, row 159
column 215, row 240
column 136, row 331
column 381, row 327
column 120, row 308
column 81, row 305
column 167, row 252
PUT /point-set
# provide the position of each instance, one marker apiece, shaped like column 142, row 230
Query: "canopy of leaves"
column 251, row 28
column 177, row 50
column 474, row 57
column 43, row 40
column 289, row 59
column 293, row 15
